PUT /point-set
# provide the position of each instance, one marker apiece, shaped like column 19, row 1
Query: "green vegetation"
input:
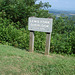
column 14, row 32
column 14, row 26
column 14, row 61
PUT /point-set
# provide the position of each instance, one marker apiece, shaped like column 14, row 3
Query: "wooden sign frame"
column 48, row 38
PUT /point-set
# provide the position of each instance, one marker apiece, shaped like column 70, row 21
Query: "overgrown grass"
column 14, row 61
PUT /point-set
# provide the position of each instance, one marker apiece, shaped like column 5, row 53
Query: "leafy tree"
column 14, row 26
column 20, row 10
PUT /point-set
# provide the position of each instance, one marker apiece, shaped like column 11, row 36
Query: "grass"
column 14, row 61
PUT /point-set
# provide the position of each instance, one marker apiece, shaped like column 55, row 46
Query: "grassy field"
column 14, row 61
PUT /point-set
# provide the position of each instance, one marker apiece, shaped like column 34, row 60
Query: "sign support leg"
column 31, row 43
column 47, row 48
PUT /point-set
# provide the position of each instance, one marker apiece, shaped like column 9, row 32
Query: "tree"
column 20, row 10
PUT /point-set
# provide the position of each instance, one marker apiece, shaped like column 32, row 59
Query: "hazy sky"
column 61, row 4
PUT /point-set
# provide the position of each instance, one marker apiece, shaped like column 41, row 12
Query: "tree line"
column 14, row 16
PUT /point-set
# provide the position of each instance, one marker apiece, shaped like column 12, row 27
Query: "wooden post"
column 47, row 48
column 31, row 43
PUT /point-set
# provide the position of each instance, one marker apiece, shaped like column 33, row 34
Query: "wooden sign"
column 42, row 25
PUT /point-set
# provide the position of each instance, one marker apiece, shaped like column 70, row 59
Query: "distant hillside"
column 64, row 13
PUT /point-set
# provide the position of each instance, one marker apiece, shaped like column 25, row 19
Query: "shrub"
column 14, row 31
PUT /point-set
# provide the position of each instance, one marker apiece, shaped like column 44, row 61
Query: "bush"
column 20, row 38
column 61, row 44
column 14, row 31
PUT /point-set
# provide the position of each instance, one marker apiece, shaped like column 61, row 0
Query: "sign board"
column 40, row 24
column 43, row 25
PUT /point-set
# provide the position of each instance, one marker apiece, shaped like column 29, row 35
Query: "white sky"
column 61, row 4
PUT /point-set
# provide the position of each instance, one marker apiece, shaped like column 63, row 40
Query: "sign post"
column 47, row 48
column 31, row 43
column 42, row 25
